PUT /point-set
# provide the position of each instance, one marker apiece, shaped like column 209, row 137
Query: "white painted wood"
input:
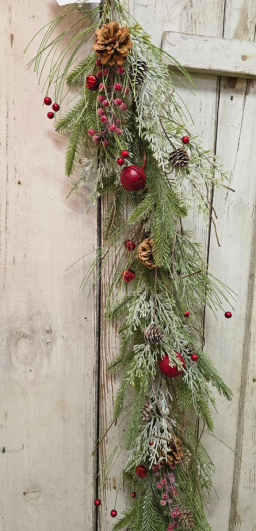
column 47, row 361
column 229, row 57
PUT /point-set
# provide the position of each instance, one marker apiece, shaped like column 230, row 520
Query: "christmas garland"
column 128, row 115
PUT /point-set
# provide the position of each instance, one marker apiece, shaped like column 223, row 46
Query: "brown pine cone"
column 174, row 452
column 179, row 158
column 147, row 411
column 153, row 333
column 187, row 458
column 112, row 43
column 145, row 253
column 186, row 519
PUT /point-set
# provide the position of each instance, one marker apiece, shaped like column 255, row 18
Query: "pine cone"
column 187, row 458
column 137, row 72
column 145, row 253
column 147, row 411
column 112, row 43
column 174, row 453
column 153, row 334
column 190, row 349
column 179, row 158
column 186, row 520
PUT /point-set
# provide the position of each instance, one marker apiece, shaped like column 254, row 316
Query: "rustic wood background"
column 55, row 390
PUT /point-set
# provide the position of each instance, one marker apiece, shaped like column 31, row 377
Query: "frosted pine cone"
column 174, row 452
column 147, row 411
column 179, row 158
column 137, row 72
column 153, row 334
column 186, row 519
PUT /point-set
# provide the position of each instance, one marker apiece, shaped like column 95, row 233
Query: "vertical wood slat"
column 231, row 343
column 47, row 360
column 153, row 17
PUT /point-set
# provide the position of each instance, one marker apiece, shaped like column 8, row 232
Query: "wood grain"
column 224, row 57
column 47, row 391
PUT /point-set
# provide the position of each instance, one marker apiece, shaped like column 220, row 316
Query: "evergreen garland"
column 177, row 474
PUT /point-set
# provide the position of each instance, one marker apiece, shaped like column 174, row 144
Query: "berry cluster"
column 110, row 105
column 55, row 107
column 166, row 484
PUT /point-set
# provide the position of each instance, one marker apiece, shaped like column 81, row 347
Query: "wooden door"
column 55, row 389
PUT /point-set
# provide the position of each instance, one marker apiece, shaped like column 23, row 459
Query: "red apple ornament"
column 171, row 370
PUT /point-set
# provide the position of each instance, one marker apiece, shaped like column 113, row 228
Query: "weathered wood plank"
column 47, row 360
column 212, row 55
column 235, row 483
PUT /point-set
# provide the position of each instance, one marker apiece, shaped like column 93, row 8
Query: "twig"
column 103, row 437
column 173, row 263
column 160, row 119
column 154, row 312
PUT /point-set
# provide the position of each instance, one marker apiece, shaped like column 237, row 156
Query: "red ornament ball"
column 228, row 315
column 125, row 154
column 113, row 513
column 170, row 370
column 128, row 275
column 134, row 494
column 97, row 502
column 56, row 107
column 120, row 161
column 194, row 357
column 151, row 443
column 133, row 178
column 50, row 115
column 47, row 100
column 185, row 139
column 130, row 246
column 92, row 82
column 141, row 471
column 186, row 314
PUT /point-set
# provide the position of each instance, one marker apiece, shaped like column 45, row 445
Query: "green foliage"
column 152, row 126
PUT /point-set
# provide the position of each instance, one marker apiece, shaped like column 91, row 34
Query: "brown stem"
column 103, row 437
column 154, row 312
column 160, row 119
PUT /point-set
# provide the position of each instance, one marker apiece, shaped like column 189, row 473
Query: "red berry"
column 141, row 471
column 106, row 143
column 118, row 131
column 228, row 315
column 101, row 86
column 103, row 119
column 127, row 90
column 118, row 101
column 121, row 70
column 118, row 87
column 122, row 107
column 120, row 161
column 56, row 107
column 100, row 99
column 100, row 112
column 128, row 275
column 47, row 100
column 99, row 74
column 118, row 121
column 194, row 357
column 105, row 103
column 92, row 82
column 130, row 246
column 151, row 443
column 96, row 138
column 112, row 128
column 97, row 502
column 50, row 115
column 134, row 494
column 98, row 62
column 113, row 513
column 105, row 71
column 91, row 132
column 185, row 139
column 125, row 154
column 186, row 314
